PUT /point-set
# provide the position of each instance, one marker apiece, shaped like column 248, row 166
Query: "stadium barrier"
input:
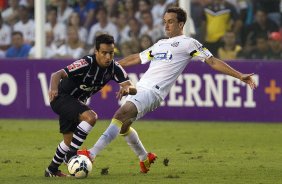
column 199, row 94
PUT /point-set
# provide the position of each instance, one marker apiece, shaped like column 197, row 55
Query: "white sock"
column 86, row 127
column 80, row 135
column 106, row 138
column 135, row 143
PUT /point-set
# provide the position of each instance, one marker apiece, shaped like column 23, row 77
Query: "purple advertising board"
column 200, row 93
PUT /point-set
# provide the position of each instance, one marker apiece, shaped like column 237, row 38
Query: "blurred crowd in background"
column 230, row 29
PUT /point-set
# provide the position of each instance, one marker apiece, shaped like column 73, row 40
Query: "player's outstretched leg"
column 146, row 159
column 52, row 170
column 106, row 138
column 132, row 139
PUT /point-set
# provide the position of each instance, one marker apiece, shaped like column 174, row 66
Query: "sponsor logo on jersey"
column 166, row 56
column 77, row 65
column 86, row 88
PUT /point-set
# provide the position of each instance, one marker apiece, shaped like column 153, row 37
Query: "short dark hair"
column 17, row 33
column 104, row 38
column 181, row 14
column 103, row 9
column 52, row 8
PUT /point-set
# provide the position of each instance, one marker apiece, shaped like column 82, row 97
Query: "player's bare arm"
column 130, row 60
column 223, row 67
column 126, row 88
column 54, row 83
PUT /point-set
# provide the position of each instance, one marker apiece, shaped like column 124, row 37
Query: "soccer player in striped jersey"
column 168, row 58
column 72, row 86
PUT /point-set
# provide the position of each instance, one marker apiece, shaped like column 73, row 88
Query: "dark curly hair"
column 181, row 14
column 104, row 38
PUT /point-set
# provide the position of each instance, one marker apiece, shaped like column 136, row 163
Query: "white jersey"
column 168, row 59
column 28, row 30
column 5, row 35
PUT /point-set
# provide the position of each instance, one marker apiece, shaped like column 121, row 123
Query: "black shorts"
column 68, row 108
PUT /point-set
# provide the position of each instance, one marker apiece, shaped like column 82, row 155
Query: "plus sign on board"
column 272, row 90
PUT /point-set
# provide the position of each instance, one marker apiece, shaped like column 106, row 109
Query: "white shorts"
column 145, row 101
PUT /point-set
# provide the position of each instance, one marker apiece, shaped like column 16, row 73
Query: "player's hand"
column 122, row 92
column 247, row 78
column 52, row 95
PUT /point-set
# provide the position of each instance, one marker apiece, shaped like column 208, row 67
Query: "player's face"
column 172, row 26
column 105, row 55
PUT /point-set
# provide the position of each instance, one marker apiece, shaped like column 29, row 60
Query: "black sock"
column 59, row 156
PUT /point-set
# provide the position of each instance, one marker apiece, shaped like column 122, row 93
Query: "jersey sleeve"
column 78, row 67
column 197, row 51
column 120, row 74
column 146, row 55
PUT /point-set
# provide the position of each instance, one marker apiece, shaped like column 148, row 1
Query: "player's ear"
column 181, row 24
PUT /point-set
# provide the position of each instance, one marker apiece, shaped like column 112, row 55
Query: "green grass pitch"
column 195, row 153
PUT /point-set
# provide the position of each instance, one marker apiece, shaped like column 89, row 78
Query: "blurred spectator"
column 275, row 43
column 129, row 47
column 230, row 49
column 122, row 25
column 145, row 42
column 244, row 9
column 261, row 25
column 50, row 50
column 149, row 28
column 102, row 26
column 58, row 29
column 240, row 5
column 5, row 37
column 158, row 11
column 172, row 1
column 130, row 8
column 64, row 11
column 197, row 9
column 271, row 7
column 29, row 4
column 133, row 33
column 247, row 15
column 74, row 21
column 219, row 16
column 11, row 14
column 260, row 51
column 86, row 10
column 191, row 27
column 19, row 49
column 125, row 49
column 54, row 3
column 143, row 6
column 3, row 5
column 2, row 54
column 73, row 48
column 25, row 25
column 113, row 8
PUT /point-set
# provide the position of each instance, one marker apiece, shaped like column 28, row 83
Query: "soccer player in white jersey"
column 168, row 58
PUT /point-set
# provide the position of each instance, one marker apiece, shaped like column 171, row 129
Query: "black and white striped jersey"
column 85, row 77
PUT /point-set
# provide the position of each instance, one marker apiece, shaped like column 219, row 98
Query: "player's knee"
column 90, row 117
column 126, row 112
column 124, row 128
column 119, row 115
